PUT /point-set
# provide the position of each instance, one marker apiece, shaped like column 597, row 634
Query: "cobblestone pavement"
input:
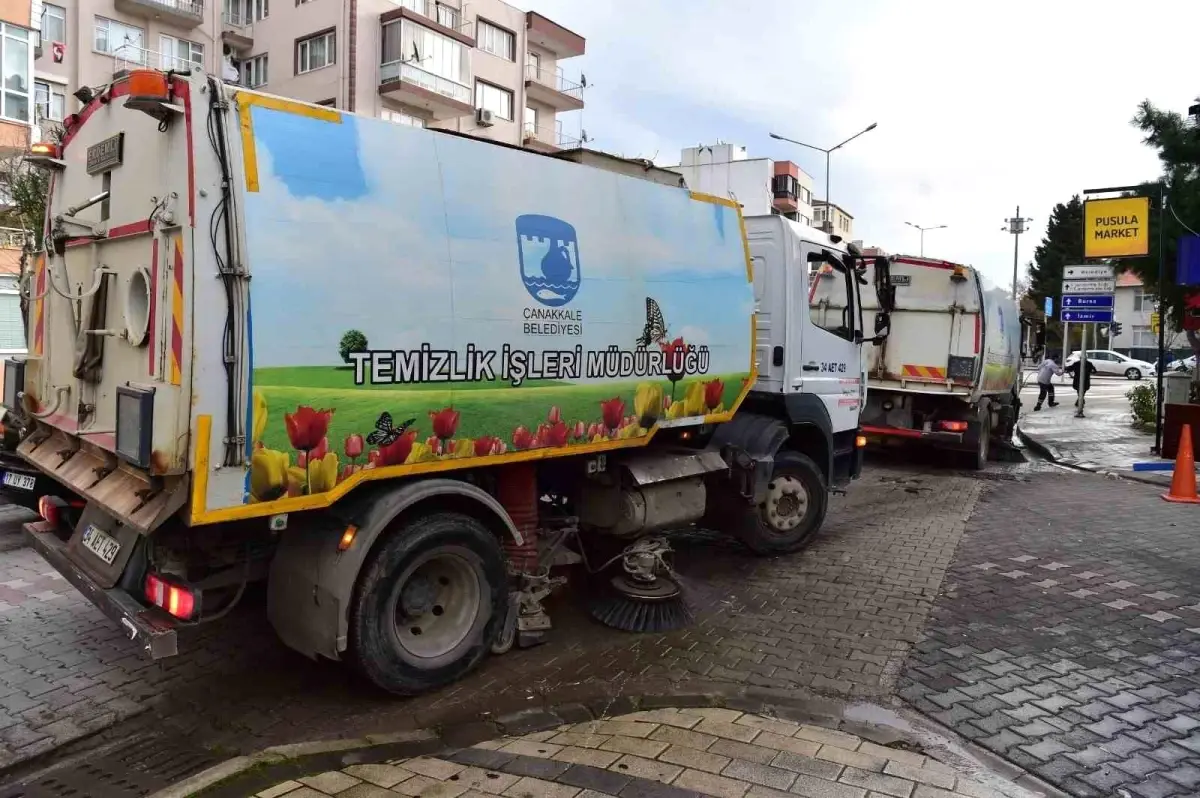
column 663, row 753
column 840, row 617
column 1102, row 441
column 1068, row 636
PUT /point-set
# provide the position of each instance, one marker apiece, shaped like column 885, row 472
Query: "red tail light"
column 953, row 426
column 175, row 599
column 48, row 509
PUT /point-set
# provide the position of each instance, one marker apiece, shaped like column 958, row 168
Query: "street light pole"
column 1016, row 226
column 923, row 229
column 828, row 152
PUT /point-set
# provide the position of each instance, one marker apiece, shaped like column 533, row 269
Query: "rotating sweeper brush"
column 646, row 597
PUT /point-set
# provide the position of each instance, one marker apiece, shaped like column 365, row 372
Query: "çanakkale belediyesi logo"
column 549, row 259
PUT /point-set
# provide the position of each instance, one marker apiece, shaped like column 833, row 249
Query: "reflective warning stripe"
column 923, row 372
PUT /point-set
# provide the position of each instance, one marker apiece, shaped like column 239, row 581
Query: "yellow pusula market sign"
column 1116, row 228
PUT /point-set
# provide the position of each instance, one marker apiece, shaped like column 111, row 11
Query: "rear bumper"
column 956, row 440
column 152, row 628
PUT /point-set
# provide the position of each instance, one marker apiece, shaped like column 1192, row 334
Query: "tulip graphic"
column 445, row 422
column 260, row 416
column 421, row 453
column 713, row 391
column 555, row 415
column 397, row 452
column 268, row 474
column 693, row 400
column 461, row 449
column 322, row 473
column 675, row 354
column 555, row 435
column 486, row 445
column 306, row 427
column 578, row 430
column 353, row 446
column 522, row 438
column 612, row 411
column 647, row 403
column 320, row 450
column 434, row 444
column 374, row 457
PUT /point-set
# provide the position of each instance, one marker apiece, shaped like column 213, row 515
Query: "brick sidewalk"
column 662, row 753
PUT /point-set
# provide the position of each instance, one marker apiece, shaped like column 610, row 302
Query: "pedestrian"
column 1075, row 372
column 1046, row 371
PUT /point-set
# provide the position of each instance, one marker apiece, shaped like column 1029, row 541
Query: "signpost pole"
column 1162, row 327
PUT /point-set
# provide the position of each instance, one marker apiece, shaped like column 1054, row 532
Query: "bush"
column 1143, row 403
column 352, row 341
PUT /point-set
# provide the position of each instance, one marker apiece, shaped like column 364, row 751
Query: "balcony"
column 127, row 57
column 548, row 86
column 547, row 33
column 443, row 98
column 184, row 13
column 548, row 138
column 237, row 30
column 13, row 238
column 439, row 18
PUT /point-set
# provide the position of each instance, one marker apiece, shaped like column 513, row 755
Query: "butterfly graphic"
column 655, row 330
column 385, row 434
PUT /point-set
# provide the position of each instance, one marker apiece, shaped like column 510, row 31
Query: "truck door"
column 830, row 364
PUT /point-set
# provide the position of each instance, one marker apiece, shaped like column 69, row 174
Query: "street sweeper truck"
column 401, row 374
column 948, row 374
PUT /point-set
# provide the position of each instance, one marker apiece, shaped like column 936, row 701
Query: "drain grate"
column 133, row 769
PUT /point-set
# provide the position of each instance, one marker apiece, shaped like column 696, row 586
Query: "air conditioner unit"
column 484, row 117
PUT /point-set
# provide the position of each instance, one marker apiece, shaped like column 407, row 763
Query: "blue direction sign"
column 1087, row 301
column 1099, row 316
column 1049, row 306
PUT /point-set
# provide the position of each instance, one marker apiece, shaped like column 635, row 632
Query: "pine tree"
column 1062, row 245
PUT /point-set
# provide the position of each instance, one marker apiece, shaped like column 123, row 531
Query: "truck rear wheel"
column 430, row 603
column 793, row 511
column 983, row 447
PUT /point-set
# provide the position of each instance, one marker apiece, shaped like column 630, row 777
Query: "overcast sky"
column 981, row 106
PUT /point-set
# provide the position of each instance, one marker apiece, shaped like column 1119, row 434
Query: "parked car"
column 1186, row 365
column 1114, row 363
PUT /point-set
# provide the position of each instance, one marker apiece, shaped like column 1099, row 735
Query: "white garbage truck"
column 401, row 374
column 948, row 373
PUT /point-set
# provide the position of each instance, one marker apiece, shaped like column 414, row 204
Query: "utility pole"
column 1016, row 226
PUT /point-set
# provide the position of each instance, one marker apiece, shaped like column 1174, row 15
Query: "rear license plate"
column 22, row 481
column 101, row 544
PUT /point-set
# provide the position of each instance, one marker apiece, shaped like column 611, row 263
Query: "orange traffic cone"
column 1183, row 482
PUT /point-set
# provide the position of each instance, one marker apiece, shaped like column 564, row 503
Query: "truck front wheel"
column 429, row 604
column 793, row 510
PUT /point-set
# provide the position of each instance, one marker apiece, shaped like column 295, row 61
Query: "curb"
column 248, row 774
column 1049, row 452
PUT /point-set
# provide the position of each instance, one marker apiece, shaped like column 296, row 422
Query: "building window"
column 254, row 71
column 494, row 40
column 259, row 9
column 495, row 99
column 533, row 63
column 1144, row 337
column 12, row 330
column 17, row 57
column 805, row 196
column 315, row 52
column 785, row 186
column 419, row 47
column 54, row 23
column 118, row 39
column 1144, row 302
column 180, row 54
column 51, row 101
column 402, row 118
column 531, row 119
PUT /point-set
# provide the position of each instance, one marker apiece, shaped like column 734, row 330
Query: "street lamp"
column 828, row 199
column 923, row 229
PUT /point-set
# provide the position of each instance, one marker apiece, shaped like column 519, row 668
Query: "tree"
column 352, row 341
column 1177, row 140
column 1062, row 245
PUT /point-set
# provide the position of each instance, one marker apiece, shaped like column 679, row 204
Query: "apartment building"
column 834, row 219
column 19, row 43
column 480, row 67
column 761, row 185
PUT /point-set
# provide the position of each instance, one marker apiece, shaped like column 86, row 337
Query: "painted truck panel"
column 513, row 306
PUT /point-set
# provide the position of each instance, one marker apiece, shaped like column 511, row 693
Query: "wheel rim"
column 1133, row 374
column 786, row 504
column 438, row 605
